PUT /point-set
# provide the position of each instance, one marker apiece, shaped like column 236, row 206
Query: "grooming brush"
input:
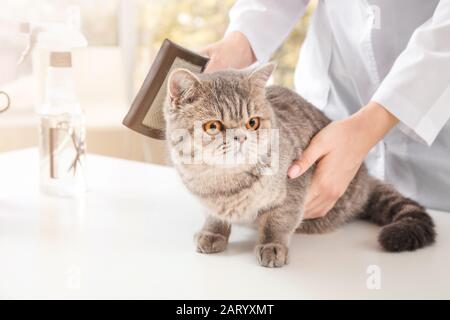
column 146, row 113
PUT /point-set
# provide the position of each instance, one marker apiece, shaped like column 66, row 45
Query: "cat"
column 226, row 114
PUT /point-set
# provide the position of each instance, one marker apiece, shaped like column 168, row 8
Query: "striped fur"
column 241, row 194
column 406, row 224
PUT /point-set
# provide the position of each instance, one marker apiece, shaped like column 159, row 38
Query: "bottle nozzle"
column 32, row 40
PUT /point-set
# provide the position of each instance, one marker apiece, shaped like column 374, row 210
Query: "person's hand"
column 233, row 51
column 340, row 148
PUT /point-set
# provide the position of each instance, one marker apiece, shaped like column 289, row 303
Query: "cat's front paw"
column 208, row 242
column 272, row 255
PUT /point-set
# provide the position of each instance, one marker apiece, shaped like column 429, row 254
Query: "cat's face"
column 219, row 119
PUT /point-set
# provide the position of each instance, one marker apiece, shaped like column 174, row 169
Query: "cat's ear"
column 260, row 75
column 180, row 84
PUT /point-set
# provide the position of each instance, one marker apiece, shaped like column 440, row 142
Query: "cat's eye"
column 212, row 127
column 253, row 123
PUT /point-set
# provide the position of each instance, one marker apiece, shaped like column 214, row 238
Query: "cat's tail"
column 406, row 224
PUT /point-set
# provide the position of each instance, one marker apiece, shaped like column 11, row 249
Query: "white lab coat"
column 394, row 52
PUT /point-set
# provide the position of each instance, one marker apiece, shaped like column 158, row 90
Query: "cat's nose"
column 240, row 138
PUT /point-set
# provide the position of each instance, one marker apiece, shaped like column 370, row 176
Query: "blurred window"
column 124, row 37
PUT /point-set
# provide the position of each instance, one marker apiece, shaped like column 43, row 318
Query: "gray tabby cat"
column 225, row 113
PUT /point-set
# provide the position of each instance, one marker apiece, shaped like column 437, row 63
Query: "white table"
column 131, row 237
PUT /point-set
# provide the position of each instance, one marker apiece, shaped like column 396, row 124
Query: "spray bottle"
column 62, row 133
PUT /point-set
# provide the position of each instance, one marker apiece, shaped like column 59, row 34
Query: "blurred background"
column 124, row 37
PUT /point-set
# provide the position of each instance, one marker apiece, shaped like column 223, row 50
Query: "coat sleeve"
column 265, row 23
column 417, row 88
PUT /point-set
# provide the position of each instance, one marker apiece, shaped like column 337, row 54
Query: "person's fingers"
column 306, row 159
column 215, row 64
column 205, row 51
column 319, row 211
column 311, row 195
column 233, row 51
column 322, row 193
column 313, row 199
column 323, row 198
column 312, row 203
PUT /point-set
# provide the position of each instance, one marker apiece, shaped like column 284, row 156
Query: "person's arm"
column 417, row 88
column 256, row 30
column 416, row 92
